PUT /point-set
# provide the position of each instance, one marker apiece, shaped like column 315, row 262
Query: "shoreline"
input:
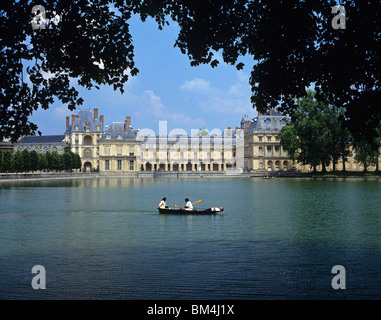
column 175, row 175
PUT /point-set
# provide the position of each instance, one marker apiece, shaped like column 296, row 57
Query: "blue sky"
column 166, row 88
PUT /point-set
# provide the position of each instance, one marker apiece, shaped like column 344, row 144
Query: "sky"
column 166, row 88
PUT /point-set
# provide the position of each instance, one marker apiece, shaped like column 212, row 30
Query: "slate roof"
column 117, row 128
column 265, row 122
column 83, row 117
column 42, row 139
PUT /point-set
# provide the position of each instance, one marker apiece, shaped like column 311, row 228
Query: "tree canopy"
column 292, row 43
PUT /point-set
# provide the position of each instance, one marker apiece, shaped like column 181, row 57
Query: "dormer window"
column 119, row 137
column 98, row 127
column 87, row 126
column 108, row 136
column 267, row 121
column 76, row 127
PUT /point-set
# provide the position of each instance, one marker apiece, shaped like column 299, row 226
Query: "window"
column 260, row 150
column 119, row 150
column 261, row 165
column 87, row 126
column 267, row 121
column 54, row 149
column 119, row 137
column 45, row 149
column 98, row 127
column 269, row 150
column 269, row 139
column 131, row 154
column 107, row 164
column 108, row 136
column 87, row 153
column 119, row 165
column 131, row 165
column 277, row 150
column 260, row 139
column 76, row 128
column 37, row 149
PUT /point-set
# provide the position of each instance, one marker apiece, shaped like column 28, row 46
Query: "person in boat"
column 163, row 204
column 216, row 209
column 188, row 205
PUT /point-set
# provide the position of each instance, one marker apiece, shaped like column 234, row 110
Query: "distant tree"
column 68, row 161
column 26, row 160
column 77, row 161
column 57, row 161
column 1, row 161
column 49, row 160
column 42, row 162
column 8, row 161
column 34, row 160
column 18, row 161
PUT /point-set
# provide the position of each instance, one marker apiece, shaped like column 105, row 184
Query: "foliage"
column 26, row 161
column 292, row 44
column 315, row 135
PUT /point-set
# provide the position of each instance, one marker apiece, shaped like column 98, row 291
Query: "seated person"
column 163, row 204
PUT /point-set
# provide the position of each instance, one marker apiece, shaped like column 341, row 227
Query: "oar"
column 199, row 201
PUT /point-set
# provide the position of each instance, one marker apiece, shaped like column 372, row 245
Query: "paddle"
column 199, row 201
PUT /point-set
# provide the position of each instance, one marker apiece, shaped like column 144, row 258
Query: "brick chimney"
column 72, row 119
column 95, row 113
column 127, row 123
column 271, row 111
column 101, row 118
column 67, row 122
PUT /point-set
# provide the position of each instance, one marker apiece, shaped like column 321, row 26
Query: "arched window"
column 45, row 149
column 87, row 153
column 87, row 140
column 37, row 149
column 54, row 149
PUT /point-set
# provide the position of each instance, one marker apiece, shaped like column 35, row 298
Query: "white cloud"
column 61, row 111
column 199, row 85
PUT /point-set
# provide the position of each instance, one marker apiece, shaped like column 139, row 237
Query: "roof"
column 267, row 122
column 42, row 139
column 85, row 116
column 118, row 128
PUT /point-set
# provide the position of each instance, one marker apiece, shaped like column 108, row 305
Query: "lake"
column 102, row 238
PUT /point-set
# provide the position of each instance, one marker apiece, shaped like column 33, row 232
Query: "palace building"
column 262, row 148
column 119, row 149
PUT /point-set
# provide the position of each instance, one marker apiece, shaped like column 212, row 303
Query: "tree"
column 34, row 160
column 18, row 161
column 42, row 162
column 1, row 161
column 293, row 45
column 316, row 135
column 8, row 161
column 26, row 160
column 57, row 162
column 68, row 161
column 77, row 161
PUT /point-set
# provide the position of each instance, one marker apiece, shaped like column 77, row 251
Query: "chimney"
column 67, row 122
column 127, row 123
column 271, row 111
column 101, row 118
column 229, row 131
column 95, row 113
column 72, row 119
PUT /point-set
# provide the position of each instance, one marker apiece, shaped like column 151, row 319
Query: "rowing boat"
column 194, row 211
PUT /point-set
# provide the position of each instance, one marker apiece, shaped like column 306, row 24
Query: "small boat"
column 194, row 211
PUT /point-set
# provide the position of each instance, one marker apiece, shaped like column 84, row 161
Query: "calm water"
column 102, row 238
